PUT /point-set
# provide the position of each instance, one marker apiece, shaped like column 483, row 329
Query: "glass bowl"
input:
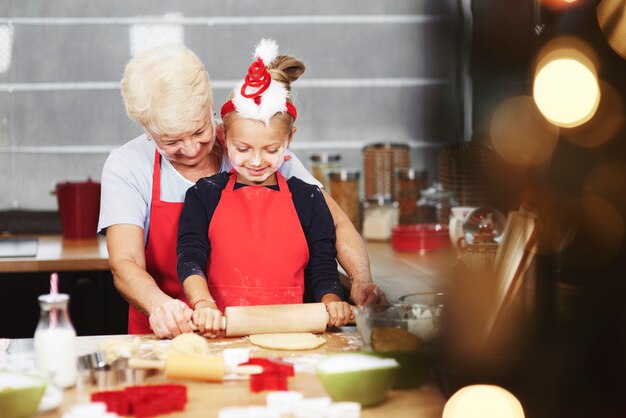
column 407, row 331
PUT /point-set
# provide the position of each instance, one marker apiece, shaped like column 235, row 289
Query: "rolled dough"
column 288, row 341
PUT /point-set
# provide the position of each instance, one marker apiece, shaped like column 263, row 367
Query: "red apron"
column 160, row 250
column 258, row 249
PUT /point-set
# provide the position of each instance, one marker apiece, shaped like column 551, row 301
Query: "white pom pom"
column 267, row 50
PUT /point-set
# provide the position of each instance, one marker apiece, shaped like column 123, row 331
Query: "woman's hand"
column 208, row 319
column 171, row 319
column 339, row 313
column 363, row 294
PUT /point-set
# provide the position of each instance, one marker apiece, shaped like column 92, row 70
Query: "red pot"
column 79, row 208
column 420, row 237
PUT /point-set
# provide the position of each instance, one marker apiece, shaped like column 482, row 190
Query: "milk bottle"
column 55, row 341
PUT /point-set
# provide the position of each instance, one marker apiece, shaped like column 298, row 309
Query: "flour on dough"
column 188, row 343
column 290, row 341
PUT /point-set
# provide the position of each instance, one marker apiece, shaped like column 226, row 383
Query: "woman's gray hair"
column 167, row 90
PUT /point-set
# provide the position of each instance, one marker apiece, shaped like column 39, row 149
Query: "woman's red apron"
column 160, row 250
column 258, row 249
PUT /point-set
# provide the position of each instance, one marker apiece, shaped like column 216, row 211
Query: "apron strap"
column 156, row 177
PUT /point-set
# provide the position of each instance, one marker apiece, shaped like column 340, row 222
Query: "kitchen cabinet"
column 83, row 268
column 95, row 306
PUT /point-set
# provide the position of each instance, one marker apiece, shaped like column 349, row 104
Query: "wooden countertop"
column 57, row 254
column 397, row 273
column 206, row 399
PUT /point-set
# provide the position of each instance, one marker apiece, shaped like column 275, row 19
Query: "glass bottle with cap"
column 344, row 189
column 55, row 341
column 322, row 164
column 435, row 204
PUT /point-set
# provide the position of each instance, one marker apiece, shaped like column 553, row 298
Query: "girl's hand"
column 208, row 319
column 339, row 313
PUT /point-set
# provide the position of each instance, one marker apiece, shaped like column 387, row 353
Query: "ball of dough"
column 188, row 343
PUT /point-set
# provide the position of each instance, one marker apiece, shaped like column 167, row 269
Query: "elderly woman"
column 167, row 92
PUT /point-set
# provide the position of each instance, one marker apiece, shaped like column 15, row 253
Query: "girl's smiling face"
column 256, row 150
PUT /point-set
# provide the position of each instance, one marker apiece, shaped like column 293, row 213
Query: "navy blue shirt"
column 193, row 246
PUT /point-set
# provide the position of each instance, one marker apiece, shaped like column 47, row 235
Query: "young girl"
column 269, row 240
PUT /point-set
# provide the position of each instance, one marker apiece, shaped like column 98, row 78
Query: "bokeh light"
column 483, row 401
column 520, row 134
column 566, row 91
column 605, row 123
column 612, row 20
column 560, row 5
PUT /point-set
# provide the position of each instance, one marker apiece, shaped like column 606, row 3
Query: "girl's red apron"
column 258, row 249
column 160, row 250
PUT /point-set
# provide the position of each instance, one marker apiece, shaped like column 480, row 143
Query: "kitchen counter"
column 57, row 254
column 397, row 273
column 205, row 399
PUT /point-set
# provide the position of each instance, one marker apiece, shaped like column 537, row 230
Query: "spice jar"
column 55, row 341
column 380, row 215
column 344, row 189
column 409, row 183
column 322, row 164
column 380, row 162
column 435, row 204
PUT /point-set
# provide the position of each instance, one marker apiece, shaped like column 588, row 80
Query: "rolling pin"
column 193, row 367
column 240, row 321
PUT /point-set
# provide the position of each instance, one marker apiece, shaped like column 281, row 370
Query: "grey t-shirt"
column 127, row 183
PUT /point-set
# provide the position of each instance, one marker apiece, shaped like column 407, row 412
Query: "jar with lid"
column 344, row 189
column 322, row 164
column 380, row 215
column 409, row 183
column 435, row 204
column 380, row 161
column 55, row 341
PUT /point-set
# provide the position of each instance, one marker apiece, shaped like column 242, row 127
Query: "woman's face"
column 256, row 150
column 189, row 148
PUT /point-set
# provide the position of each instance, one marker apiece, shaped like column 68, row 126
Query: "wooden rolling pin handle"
column 140, row 363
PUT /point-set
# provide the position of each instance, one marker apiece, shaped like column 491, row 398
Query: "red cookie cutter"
column 144, row 401
column 274, row 375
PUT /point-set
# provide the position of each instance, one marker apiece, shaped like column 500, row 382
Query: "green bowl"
column 20, row 394
column 415, row 366
column 368, row 385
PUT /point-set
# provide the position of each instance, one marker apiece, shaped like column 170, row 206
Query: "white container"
column 380, row 215
column 55, row 341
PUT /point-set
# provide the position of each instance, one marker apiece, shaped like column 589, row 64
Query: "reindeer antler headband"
column 258, row 96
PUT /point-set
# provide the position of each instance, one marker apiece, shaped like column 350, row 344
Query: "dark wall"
column 575, row 368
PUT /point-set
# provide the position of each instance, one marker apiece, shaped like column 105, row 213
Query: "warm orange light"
column 605, row 124
column 520, row 134
column 483, row 401
column 612, row 20
column 566, row 92
column 560, row 4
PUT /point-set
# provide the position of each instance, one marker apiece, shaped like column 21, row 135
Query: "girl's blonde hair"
column 167, row 90
column 285, row 69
